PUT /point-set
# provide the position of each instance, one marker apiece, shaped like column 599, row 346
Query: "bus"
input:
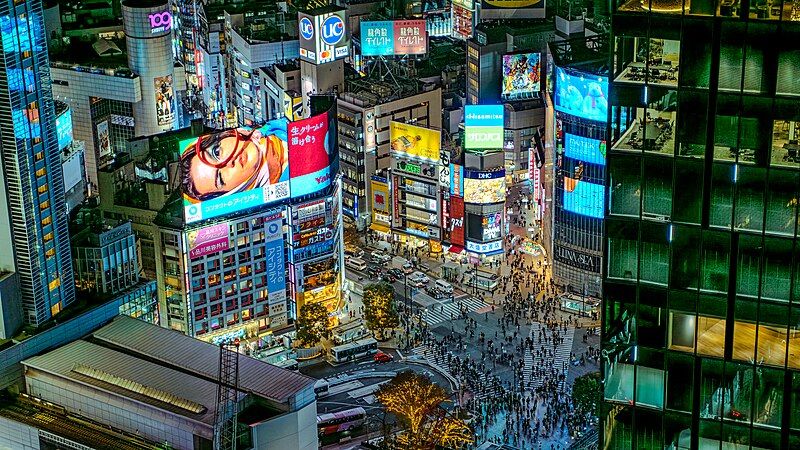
column 356, row 264
column 321, row 388
column 349, row 332
column 354, row 350
column 347, row 420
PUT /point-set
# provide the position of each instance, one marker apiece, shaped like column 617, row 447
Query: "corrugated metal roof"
column 63, row 360
column 193, row 355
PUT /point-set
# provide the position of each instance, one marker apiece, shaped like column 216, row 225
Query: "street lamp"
column 408, row 307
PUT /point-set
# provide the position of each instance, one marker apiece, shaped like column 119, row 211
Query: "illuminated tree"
column 587, row 394
column 312, row 324
column 417, row 404
column 380, row 312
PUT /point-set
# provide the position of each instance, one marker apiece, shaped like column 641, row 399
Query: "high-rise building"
column 32, row 187
column 701, row 320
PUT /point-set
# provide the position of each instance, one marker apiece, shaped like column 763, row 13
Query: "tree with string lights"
column 380, row 312
column 312, row 324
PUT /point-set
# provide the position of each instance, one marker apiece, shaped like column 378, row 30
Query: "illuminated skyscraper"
column 32, row 186
column 701, row 320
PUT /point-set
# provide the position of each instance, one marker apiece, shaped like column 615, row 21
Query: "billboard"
column 585, row 149
column 380, row 202
column 483, row 126
column 456, row 180
column 232, row 170
column 512, row 9
column 584, row 198
column 484, row 187
column 394, row 37
column 462, row 22
column 165, row 96
column 323, row 37
column 414, row 141
column 208, row 240
column 103, row 138
column 276, row 265
column 310, row 154
column 581, row 95
column 457, row 221
column 64, row 129
column 521, row 75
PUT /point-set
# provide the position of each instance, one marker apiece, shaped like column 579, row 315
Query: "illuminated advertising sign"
column 484, row 187
column 276, row 266
column 165, row 96
column 456, row 180
column 577, row 259
column 584, row 198
column 444, row 170
column 492, row 226
column 310, row 150
column 305, row 238
column 103, row 138
column 323, row 37
column 399, row 37
column 414, row 141
column 462, row 22
column 208, row 240
column 486, row 248
column 483, row 126
column 292, row 106
column 232, row 170
column 380, row 197
column 160, row 22
column 585, row 149
column 64, row 129
column 521, row 75
column 512, row 9
column 322, row 293
column 581, row 95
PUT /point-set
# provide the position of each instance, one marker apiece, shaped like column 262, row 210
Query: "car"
column 382, row 357
column 389, row 278
column 419, row 276
column 408, row 267
column 379, row 257
column 435, row 293
column 374, row 272
column 397, row 273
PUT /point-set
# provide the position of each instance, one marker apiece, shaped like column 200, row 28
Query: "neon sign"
column 160, row 21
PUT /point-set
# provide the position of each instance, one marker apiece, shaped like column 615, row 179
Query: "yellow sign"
column 415, row 141
column 323, row 293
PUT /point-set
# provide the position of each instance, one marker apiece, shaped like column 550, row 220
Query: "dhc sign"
column 332, row 30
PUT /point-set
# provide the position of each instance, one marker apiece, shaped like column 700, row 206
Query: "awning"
column 379, row 227
column 456, row 249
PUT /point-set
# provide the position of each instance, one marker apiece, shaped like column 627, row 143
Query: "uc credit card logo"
column 332, row 30
column 306, row 28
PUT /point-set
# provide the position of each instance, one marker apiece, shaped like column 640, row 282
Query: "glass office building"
column 701, row 321
column 32, row 179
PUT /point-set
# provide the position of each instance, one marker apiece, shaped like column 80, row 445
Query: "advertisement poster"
column 582, row 95
column 414, row 141
column 521, row 75
column 276, row 268
column 483, row 126
column 380, row 197
column 103, row 139
column 208, row 240
column 232, row 170
column 484, row 187
column 456, row 180
column 388, row 38
column 410, row 37
column 585, row 149
column 462, row 22
column 457, row 221
column 309, row 155
column 64, row 129
column 165, row 98
column 323, row 38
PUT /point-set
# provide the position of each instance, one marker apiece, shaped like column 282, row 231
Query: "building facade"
column 701, row 321
column 107, row 259
column 33, row 215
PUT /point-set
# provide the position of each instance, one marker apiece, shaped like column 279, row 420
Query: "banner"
column 457, row 221
column 276, row 267
column 103, row 139
column 415, row 141
column 208, row 240
column 309, row 155
column 456, row 180
column 165, row 96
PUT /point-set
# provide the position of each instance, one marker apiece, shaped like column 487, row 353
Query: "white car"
column 419, row 278
column 380, row 257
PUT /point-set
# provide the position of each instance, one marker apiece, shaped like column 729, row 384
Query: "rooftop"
column 82, row 56
column 587, row 54
column 497, row 30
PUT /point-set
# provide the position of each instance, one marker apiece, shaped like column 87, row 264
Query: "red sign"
column 410, row 37
column 309, row 161
column 457, row 221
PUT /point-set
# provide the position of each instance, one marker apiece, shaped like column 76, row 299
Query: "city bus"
column 349, row 332
column 321, row 388
column 354, row 350
column 347, row 420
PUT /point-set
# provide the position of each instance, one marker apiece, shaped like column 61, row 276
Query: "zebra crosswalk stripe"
column 444, row 312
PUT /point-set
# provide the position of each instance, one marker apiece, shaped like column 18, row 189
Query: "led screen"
column 521, row 75
column 484, row 187
column 312, row 152
column 584, row 198
column 585, row 149
column 64, row 129
column 581, row 95
column 483, row 126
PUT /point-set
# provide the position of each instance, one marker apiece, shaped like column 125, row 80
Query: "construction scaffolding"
column 227, row 397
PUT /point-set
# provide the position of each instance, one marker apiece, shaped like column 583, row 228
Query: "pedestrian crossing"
column 482, row 388
column 450, row 309
column 559, row 361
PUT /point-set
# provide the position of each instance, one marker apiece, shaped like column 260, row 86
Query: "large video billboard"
column 584, row 198
column 512, row 9
column 585, row 149
column 414, row 141
column 165, row 96
column 521, row 75
column 582, row 95
column 398, row 37
column 233, row 170
column 208, row 240
column 64, row 129
column 323, row 37
column 483, row 126
column 462, row 22
column 484, row 187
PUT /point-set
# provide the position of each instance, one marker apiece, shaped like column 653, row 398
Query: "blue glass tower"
column 32, row 183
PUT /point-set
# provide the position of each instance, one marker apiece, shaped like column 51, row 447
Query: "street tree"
column 417, row 403
column 312, row 324
column 587, row 394
column 380, row 311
